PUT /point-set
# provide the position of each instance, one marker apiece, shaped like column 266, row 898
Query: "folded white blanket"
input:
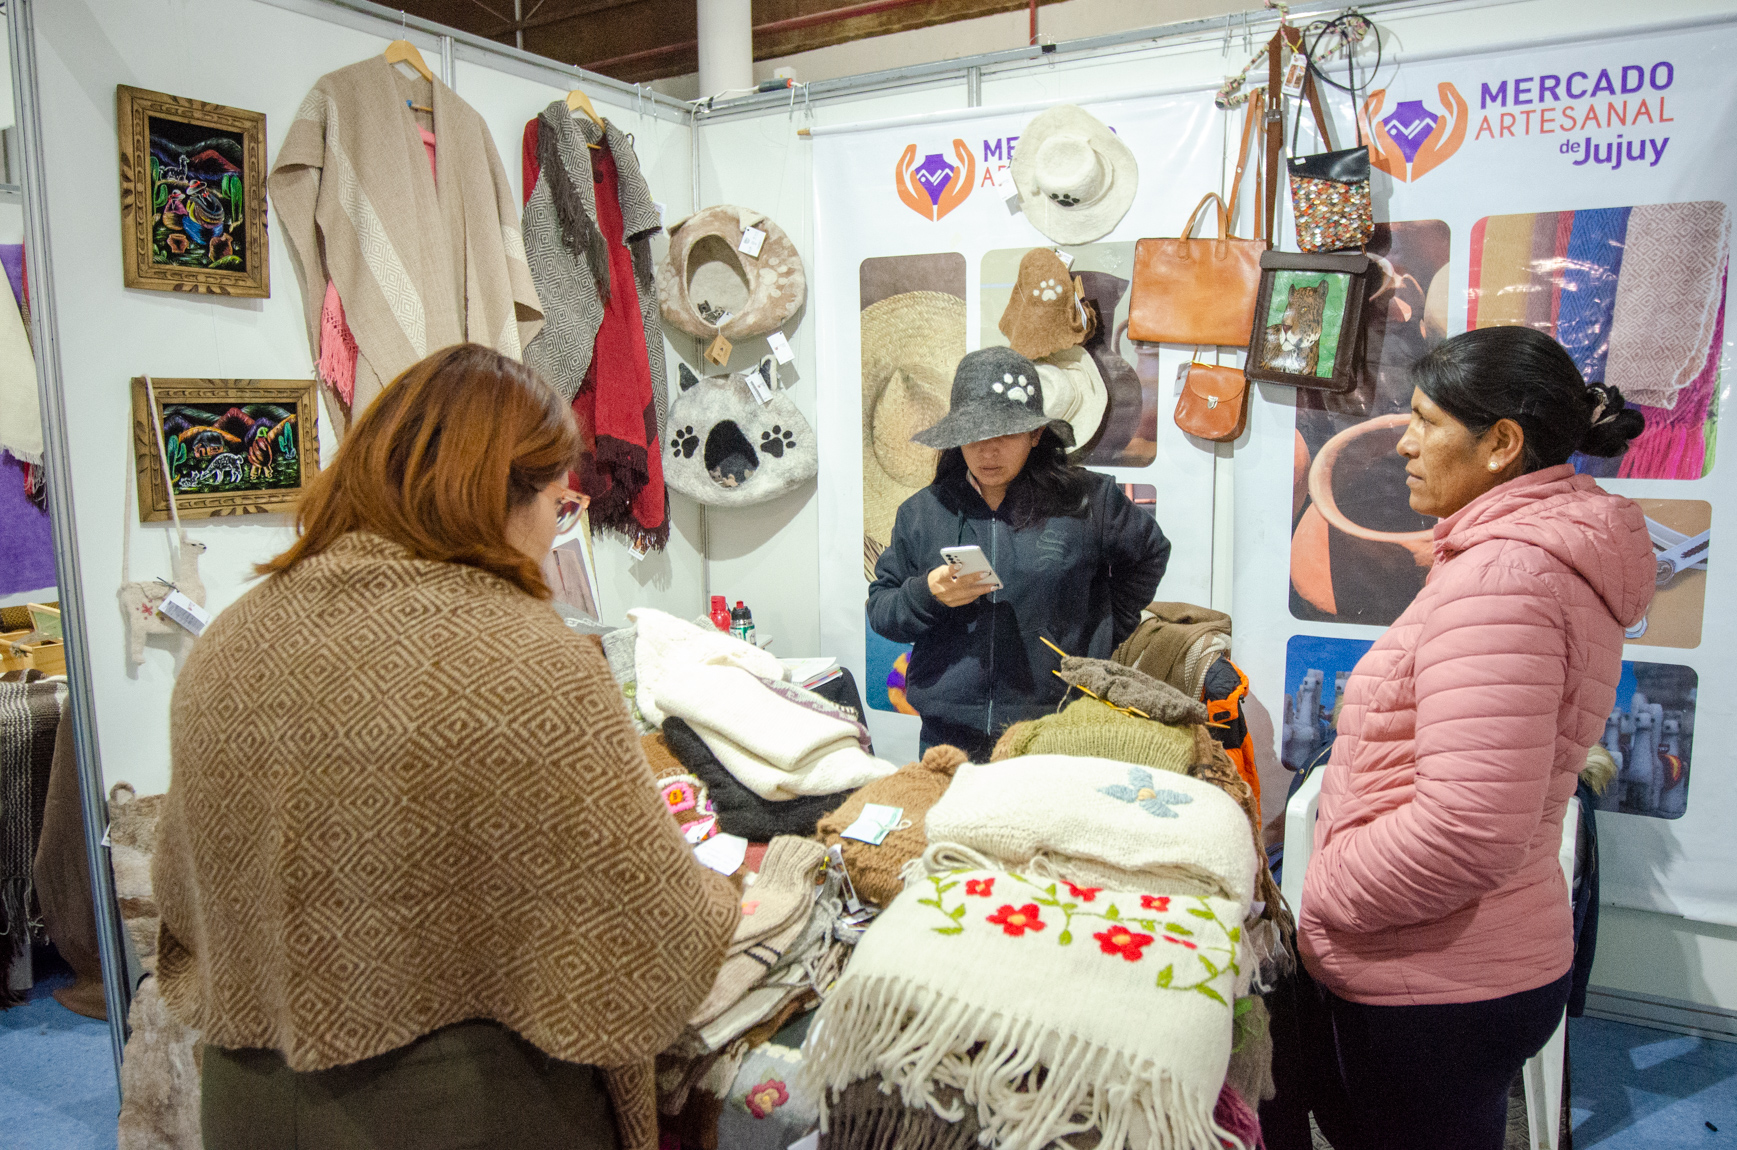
column 1147, row 825
column 666, row 646
column 775, row 748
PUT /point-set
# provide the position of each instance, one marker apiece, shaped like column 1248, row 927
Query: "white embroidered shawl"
column 420, row 262
column 1054, row 1010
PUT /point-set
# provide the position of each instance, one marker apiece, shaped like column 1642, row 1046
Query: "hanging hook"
column 403, row 27
column 1225, row 50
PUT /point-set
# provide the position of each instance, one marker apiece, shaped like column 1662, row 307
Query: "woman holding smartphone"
column 1075, row 560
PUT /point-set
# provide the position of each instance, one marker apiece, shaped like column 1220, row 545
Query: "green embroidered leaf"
column 1212, row 994
column 1015, row 877
column 1178, row 928
column 948, row 929
column 1146, row 923
column 1211, row 967
column 1236, row 934
column 1165, row 975
column 1198, row 913
column 1051, row 890
column 1065, row 938
column 1070, row 907
column 934, row 902
column 957, row 912
column 945, row 889
column 1112, row 913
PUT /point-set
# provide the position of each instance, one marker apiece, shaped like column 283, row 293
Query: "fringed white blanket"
column 1053, row 1009
column 776, row 748
column 1101, row 821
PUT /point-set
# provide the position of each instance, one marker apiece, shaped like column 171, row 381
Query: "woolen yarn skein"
column 874, row 869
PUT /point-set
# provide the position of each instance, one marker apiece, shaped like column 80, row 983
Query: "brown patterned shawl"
column 406, row 795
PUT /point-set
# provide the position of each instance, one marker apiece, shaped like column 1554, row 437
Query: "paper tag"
column 640, row 549
column 1013, row 204
column 758, row 384
column 660, row 211
column 719, row 351
column 184, row 611
column 874, row 824
column 107, row 842
column 1182, row 375
column 835, row 860
column 752, row 239
column 812, row 1142
column 723, row 853
column 1067, row 258
column 1294, row 73
column 699, row 830
column 780, row 348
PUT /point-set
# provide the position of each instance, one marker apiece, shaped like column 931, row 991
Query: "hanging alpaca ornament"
column 142, row 602
column 729, row 449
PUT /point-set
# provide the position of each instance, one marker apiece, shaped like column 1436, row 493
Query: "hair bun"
column 1611, row 423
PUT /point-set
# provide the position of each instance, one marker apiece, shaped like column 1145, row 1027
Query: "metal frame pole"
column 21, row 36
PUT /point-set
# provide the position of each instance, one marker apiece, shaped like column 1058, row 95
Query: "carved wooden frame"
column 152, row 488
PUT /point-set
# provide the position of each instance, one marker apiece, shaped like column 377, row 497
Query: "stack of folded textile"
column 1064, row 963
column 665, row 647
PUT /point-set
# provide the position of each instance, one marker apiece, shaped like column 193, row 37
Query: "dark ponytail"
column 1494, row 373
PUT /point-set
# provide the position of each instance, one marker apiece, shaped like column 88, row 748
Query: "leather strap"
column 1194, row 218
column 1256, row 108
column 1286, row 35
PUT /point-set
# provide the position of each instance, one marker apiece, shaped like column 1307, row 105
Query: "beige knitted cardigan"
column 406, row 795
column 420, row 263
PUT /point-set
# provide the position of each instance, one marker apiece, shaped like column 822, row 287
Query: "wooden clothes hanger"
column 578, row 101
column 404, row 52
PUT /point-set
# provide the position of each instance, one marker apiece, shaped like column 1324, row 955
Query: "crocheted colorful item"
column 1053, row 1015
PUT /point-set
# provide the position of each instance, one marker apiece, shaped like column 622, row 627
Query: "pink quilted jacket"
column 1435, row 877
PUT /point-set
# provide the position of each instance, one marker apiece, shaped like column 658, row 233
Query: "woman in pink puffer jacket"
column 1435, row 918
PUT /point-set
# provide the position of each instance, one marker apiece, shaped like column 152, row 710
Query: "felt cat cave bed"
column 727, row 449
column 709, row 287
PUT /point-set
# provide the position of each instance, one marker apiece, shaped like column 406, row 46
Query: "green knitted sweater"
column 1088, row 727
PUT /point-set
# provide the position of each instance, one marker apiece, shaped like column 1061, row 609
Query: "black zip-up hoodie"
column 1080, row 582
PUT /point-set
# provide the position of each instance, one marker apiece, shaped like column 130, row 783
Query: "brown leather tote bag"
column 1200, row 291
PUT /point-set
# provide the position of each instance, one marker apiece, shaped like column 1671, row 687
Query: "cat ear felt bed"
column 727, row 449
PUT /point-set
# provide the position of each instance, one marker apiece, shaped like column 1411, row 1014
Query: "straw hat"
column 1043, row 314
column 1076, row 180
column 911, row 344
column 708, row 286
column 1073, row 389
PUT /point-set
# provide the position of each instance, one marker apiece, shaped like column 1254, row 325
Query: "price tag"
column 723, row 853
column 1067, row 258
column 752, row 239
column 875, row 823
column 719, row 351
column 1295, row 71
column 660, row 211
column 835, row 862
column 185, row 612
column 640, row 549
column 780, row 348
column 812, row 1142
column 759, row 384
column 1182, row 375
column 1013, row 204
column 700, row 830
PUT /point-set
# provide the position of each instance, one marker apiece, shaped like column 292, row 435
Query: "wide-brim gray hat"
column 996, row 391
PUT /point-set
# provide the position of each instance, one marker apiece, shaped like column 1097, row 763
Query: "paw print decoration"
column 776, row 442
column 1064, row 199
column 1047, row 291
column 684, row 443
column 1015, row 388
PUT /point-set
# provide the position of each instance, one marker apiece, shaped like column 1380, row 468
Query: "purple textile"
column 26, row 547
column 12, row 259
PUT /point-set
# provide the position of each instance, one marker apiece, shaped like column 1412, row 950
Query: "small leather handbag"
column 1214, row 402
column 1329, row 190
column 1200, row 291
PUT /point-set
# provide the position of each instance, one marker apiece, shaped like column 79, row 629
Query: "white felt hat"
column 1073, row 389
column 1076, row 179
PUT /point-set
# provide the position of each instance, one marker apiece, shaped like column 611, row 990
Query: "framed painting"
column 192, row 195
column 1308, row 318
column 231, row 446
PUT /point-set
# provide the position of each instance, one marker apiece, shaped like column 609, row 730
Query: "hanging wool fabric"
column 588, row 225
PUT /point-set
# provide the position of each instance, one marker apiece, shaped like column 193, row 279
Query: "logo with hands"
column 1412, row 140
column 935, row 187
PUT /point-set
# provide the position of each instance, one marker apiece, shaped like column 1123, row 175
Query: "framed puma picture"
column 1308, row 320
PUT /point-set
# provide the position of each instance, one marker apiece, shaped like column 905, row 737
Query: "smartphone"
column 968, row 559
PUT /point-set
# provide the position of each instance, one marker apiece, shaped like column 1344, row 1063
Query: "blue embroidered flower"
column 1141, row 791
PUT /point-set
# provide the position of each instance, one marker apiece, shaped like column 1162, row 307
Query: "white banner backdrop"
column 1580, row 188
column 940, row 188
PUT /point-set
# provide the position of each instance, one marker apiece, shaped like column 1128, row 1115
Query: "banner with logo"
column 919, row 235
column 1583, row 189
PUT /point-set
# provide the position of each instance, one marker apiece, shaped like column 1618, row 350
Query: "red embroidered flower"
column 1015, row 921
column 1127, row 943
column 1181, row 942
column 981, row 887
column 766, row 1097
column 1084, row 893
column 1159, row 903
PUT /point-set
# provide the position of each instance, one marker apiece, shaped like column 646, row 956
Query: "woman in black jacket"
column 1078, row 561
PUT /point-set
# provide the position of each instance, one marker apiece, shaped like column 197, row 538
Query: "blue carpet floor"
column 57, row 1076
column 1635, row 1088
